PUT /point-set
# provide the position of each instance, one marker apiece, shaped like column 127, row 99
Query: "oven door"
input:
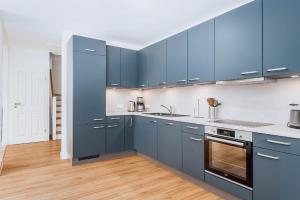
column 231, row 159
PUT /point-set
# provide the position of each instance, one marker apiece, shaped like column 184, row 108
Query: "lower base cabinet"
column 115, row 137
column 275, row 175
column 193, row 155
column 169, row 145
column 149, row 138
column 129, row 129
column 89, row 140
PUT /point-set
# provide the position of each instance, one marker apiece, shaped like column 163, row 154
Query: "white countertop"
column 276, row 129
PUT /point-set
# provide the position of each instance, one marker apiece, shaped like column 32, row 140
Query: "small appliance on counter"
column 294, row 117
column 140, row 106
column 131, row 106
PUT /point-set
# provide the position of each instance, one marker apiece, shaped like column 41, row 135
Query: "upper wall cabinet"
column 177, row 59
column 88, row 45
column 129, row 69
column 281, row 37
column 157, row 67
column 238, row 42
column 201, row 53
column 142, row 68
column 113, row 59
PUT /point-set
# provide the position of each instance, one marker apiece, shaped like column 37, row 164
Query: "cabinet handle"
column 195, row 139
column 194, row 79
column 154, row 121
column 98, row 127
column 277, row 69
column 130, row 125
column 115, row 118
column 278, row 142
column 192, row 127
column 112, row 126
column 163, row 83
column 114, row 84
column 249, row 73
column 142, row 85
column 170, row 124
column 181, row 81
column 100, row 119
column 90, row 50
column 267, row 156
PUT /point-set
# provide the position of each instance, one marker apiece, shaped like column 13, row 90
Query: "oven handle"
column 225, row 141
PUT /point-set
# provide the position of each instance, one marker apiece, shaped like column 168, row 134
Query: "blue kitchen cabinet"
column 89, row 45
column 129, row 133
column 138, row 131
column 157, row 64
column 89, row 88
column 193, row 154
column 201, row 53
column 281, row 37
column 115, row 136
column 88, row 140
column 113, row 60
column 238, row 43
column 177, row 59
column 169, row 144
column 275, row 175
column 149, row 137
column 142, row 68
column 129, row 70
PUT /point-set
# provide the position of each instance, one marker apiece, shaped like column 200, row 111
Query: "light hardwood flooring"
column 35, row 172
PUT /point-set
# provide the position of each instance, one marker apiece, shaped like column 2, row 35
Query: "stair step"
column 58, row 105
column 58, row 132
column 58, row 125
column 58, row 118
column 58, row 111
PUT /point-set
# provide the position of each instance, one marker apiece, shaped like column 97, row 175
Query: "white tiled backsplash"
column 267, row 102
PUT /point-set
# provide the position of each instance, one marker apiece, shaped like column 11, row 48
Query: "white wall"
column 2, row 44
column 261, row 102
column 67, row 95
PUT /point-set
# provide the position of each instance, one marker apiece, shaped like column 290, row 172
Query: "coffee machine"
column 140, row 106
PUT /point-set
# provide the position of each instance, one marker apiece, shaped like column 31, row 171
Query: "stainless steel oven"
column 228, row 155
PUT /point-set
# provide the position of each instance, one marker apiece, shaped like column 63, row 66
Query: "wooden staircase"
column 58, row 117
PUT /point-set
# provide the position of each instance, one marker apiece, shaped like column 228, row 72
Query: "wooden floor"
column 35, row 172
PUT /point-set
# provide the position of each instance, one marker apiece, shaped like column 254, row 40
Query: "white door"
column 28, row 103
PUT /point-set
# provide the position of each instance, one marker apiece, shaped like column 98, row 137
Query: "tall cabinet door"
column 142, row 68
column 238, row 43
column 129, row 133
column 177, row 59
column 128, row 68
column 157, row 68
column 89, row 88
column 201, row 54
column 281, row 37
column 113, row 57
column 275, row 175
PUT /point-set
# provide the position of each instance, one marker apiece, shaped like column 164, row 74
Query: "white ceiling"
column 126, row 23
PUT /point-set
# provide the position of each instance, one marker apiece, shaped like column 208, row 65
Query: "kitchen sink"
column 166, row 114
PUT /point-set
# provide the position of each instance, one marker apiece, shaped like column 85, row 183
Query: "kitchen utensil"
column 140, row 106
column 294, row 118
column 131, row 106
column 211, row 101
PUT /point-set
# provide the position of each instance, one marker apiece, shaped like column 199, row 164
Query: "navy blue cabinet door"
column 113, row 57
column 238, row 43
column 149, row 137
column 129, row 68
column 115, row 137
column 89, row 88
column 281, row 37
column 193, row 155
column 142, row 68
column 89, row 45
column 88, row 140
column 275, row 175
column 201, row 54
column 177, row 59
column 138, row 134
column 129, row 131
column 157, row 64
column 169, row 145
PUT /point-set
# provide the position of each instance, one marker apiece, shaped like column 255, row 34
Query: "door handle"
column 170, row 124
column 90, row 50
column 112, row 126
column 115, row 118
column 249, row 73
column 98, row 127
column 277, row 69
column 195, row 139
column 192, row 127
column 100, row 119
column 154, row 121
column 130, row 125
column 114, row 84
column 278, row 142
column 181, row 81
column 194, row 79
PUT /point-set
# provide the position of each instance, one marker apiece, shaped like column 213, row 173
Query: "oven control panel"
column 229, row 133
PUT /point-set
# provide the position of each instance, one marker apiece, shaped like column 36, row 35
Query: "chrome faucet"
column 170, row 110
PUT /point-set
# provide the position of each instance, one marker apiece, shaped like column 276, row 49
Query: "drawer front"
column 115, row 119
column 277, row 143
column 89, row 45
column 192, row 128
